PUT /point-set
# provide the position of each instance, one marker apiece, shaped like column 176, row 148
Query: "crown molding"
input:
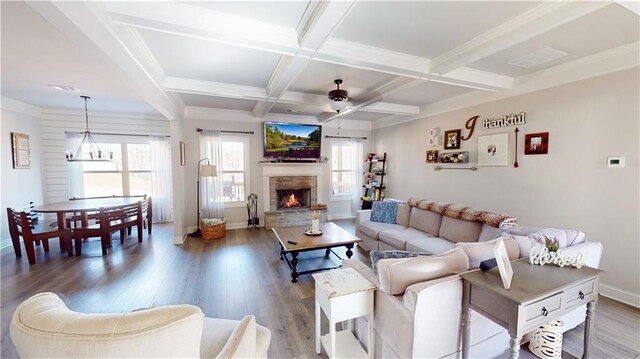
column 24, row 108
column 527, row 25
column 613, row 60
column 50, row 113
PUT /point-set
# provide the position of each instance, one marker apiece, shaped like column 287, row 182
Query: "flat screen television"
column 292, row 140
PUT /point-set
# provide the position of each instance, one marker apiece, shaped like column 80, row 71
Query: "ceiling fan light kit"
column 338, row 97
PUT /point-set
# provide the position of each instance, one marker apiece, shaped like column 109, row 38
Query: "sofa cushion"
column 397, row 274
column 242, row 342
column 433, row 245
column 425, row 221
column 372, row 229
column 458, row 230
column 399, row 237
column 551, row 233
column 488, row 233
column 375, row 256
column 404, row 211
column 482, row 251
column 384, row 212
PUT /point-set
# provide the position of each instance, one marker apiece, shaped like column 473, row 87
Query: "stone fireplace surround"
column 291, row 176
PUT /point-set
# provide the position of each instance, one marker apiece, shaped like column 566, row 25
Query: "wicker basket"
column 213, row 231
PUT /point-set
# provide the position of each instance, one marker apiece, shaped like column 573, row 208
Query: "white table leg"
column 514, row 344
column 318, row 349
column 371, row 344
column 332, row 337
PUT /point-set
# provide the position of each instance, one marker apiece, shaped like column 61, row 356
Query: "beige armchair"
column 44, row 327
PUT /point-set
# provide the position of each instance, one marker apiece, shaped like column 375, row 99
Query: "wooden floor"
column 228, row 278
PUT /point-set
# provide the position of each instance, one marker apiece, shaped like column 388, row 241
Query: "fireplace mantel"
column 291, row 169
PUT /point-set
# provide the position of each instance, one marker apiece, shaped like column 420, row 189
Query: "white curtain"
column 211, row 188
column 74, row 169
column 357, row 157
column 161, row 181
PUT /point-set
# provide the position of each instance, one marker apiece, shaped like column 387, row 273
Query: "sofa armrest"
column 592, row 252
column 363, row 215
column 437, row 308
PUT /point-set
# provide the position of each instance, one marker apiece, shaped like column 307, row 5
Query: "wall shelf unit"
column 374, row 180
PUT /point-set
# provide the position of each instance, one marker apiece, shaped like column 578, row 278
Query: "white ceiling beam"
column 527, row 25
column 313, row 44
column 196, row 21
column 633, row 6
column 209, row 88
column 319, row 21
column 89, row 26
column 391, row 108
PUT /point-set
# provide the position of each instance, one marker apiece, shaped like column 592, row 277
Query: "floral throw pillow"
column 384, row 212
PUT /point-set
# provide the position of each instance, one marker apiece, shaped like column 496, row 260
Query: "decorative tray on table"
column 308, row 232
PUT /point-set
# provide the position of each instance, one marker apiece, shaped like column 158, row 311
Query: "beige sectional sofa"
column 423, row 321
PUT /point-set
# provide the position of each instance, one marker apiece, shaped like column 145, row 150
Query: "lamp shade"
column 337, row 105
column 208, row 171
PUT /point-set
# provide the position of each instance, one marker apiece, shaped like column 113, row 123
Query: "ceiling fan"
column 339, row 98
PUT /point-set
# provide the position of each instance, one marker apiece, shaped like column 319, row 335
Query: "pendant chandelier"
column 95, row 153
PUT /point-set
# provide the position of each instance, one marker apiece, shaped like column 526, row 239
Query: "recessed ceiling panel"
column 35, row 55
column 601, row 30
column 425, row 93
column 318, row 78
column 425, row 28
column 284, row 13
column 197, row 59
column 299, row 109
column 217, row 102
column 365, row 116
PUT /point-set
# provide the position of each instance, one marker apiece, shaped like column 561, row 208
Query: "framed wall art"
column 454, row 157
column 432, row 156
column 452, row 139
column 183, row 159
column 504, row 266
column 536, row 143
column 493, row 150
column 20, row 150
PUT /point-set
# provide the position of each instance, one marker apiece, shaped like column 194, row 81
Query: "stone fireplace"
column 289, row 190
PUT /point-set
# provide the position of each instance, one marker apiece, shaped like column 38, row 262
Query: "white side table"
column 343, row 294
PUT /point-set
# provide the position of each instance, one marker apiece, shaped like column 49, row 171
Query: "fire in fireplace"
column 293, row 198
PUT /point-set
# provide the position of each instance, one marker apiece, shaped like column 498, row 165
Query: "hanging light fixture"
column 338, row 97
column 95, row 153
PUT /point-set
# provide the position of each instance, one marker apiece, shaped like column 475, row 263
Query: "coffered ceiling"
column 399, row 60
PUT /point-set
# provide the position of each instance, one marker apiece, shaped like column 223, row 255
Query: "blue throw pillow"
column 384, row 212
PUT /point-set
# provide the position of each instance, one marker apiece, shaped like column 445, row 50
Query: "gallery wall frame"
column 432, row 156
column 183, row 159
column 21, row 150
column 493, row 150
column 536, row 143
column 452, row 139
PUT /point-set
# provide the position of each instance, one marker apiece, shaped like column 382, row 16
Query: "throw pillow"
column 558, row 234
column 376, row 255
column 384, row 212
column 482, row 251
column 396, row 274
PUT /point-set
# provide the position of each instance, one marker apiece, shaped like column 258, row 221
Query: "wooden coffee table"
column 332, row 236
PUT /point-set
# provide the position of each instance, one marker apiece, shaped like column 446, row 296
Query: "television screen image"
column 291, row 140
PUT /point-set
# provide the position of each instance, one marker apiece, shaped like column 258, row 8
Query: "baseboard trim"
column 332, row 217
column 239, row 225
column 620, row 295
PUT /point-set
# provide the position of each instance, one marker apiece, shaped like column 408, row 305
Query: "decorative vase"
column 315, row 225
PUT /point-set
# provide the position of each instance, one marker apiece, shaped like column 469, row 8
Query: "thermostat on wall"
column 616, row 161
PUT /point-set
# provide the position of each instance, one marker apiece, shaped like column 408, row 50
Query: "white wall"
column 244, row 121
column 19, row 186
column 569, row 187
column 56, row 122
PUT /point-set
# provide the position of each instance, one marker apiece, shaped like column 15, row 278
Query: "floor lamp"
column 207, row 170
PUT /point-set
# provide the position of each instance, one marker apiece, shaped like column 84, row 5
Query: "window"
column 128, row 174
column 342, row 168
column 235, row 170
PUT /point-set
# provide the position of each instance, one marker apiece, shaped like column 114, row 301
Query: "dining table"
column 83, row 207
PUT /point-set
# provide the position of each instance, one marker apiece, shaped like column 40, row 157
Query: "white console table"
column 343, row 294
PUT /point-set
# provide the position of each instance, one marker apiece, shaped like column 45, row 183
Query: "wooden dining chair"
column 111, row 220
column 22, row 225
